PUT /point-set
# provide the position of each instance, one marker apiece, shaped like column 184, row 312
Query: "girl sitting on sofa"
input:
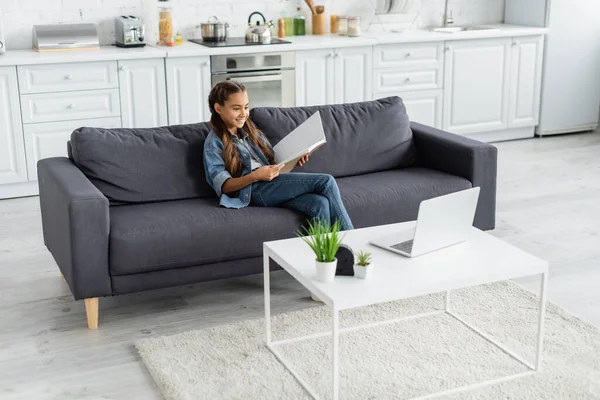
column 239, row 164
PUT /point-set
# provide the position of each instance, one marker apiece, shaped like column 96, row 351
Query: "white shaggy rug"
column 396, row 361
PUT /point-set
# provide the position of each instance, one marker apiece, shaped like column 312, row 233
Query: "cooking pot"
column 213, row 30
column 258, row 33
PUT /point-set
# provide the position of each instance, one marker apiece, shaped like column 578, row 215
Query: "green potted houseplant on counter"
column 324, row 240
column 363, row 267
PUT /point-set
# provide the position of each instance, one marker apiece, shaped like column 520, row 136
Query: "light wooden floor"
column 548, row 204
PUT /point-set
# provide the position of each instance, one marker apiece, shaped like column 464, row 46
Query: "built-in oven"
column 269, row 78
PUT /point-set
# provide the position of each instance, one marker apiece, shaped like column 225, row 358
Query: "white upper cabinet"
column 526, row 80
column 188, row 87
column 13, row 167
column 477, row 85
column 143, row 93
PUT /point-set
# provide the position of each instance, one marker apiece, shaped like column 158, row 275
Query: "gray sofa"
column 130, row 210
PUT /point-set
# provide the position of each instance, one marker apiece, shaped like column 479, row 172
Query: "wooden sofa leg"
column 91, row 309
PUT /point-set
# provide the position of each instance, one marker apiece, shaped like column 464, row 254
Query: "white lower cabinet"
column 188, row 87
column 330, row 76
column 12, row 153
column 143, row 93
column 50, row 139
column 476, row 85
column 422, row 106
column 526, row 81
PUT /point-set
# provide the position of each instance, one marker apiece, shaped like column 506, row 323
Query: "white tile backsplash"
column 20, row 15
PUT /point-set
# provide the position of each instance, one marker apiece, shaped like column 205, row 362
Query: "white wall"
column 21, row 15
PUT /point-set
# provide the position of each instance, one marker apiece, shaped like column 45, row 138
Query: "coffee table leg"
column 336, row 352
column 541, row 317
column 267, row 286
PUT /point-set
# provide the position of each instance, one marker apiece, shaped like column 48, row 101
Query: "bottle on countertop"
column 299, row 23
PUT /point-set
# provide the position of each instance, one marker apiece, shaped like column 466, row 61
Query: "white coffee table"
column 483, row 259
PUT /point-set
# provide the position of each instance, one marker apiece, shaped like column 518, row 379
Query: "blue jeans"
column 315, row 195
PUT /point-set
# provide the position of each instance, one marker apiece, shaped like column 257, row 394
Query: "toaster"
column 129, row 31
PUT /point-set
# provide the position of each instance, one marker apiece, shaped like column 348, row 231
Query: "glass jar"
column 342, row 25
column 353, row 26
column 165, row 23
column 299, row 23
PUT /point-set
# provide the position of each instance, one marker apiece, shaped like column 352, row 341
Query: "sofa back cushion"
column 142, row 165
column 361, row 137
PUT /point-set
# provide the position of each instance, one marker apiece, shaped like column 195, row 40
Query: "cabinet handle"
column 514, row 44
column 71, row 106
column 409, row 54
column 338, row 54
column 448, row 48
column 205, row 63
column 331, row 55
column 69, row 77
column 407, row 80
column 123, row 68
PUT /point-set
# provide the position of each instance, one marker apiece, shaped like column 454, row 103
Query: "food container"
column 353, row 26
column 342, row 25
column 213, row 30
column 165, row 23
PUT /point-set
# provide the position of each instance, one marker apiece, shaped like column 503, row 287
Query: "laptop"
column 442, row 221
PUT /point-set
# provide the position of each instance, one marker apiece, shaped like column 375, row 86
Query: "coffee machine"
column 129, row 31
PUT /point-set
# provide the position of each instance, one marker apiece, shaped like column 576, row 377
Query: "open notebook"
column 305, row 139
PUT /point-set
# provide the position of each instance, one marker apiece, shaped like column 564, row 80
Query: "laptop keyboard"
column 404, row 246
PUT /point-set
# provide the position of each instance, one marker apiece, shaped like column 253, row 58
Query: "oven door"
column 265, row 88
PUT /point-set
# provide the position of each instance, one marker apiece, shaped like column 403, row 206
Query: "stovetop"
column 237, row 41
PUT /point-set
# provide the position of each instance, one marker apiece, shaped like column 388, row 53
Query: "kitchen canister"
column 342, row 25
column 353, row 26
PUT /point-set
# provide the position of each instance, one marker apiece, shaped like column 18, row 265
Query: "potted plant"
column 324, row 240
column 363, row 266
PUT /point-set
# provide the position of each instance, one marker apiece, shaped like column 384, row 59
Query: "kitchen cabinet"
column 50, row 139
column 314, row 77
column 330, row 76
column 143, row 93
column 353, row 68
column 188, row 87
column 526, row 81
column 422, row 106
column 13, row 167
column 477, row 85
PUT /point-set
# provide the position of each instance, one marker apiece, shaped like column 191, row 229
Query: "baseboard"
column 577, row 129
column 24, row 189
column 503, row 135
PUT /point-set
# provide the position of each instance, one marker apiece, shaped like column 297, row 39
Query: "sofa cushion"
column 394, row 196
column 174, row 234
column 361, row 137
column 140, row 165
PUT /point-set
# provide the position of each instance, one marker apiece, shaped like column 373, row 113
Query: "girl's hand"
column 267, row 173
column 303, row 160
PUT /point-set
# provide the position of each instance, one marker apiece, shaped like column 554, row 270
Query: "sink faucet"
column 448, row 20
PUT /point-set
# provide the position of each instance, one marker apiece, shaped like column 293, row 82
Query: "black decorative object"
column 345, row 261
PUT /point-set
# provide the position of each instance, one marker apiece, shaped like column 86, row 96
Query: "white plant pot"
column 363, row 272
column 326, row 270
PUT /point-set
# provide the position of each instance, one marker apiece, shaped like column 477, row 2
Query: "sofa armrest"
column 464, row 157
column 75, row 224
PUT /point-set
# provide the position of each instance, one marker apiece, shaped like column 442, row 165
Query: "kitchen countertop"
column 309, row 42
column 499, row 31
column 105, row 53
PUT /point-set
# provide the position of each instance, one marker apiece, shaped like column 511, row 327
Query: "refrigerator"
column 570, row 100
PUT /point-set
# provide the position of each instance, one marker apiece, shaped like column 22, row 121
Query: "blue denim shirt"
column 217, row 174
